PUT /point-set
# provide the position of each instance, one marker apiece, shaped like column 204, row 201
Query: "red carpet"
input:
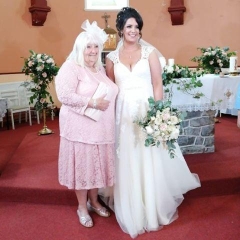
column 209, row 218
column 34, row 206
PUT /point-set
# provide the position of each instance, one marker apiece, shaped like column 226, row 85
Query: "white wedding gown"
column 149, row 184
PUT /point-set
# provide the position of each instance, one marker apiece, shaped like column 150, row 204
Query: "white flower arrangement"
column 213, row 59
column 186, row 79
column 42, row 69
column 161, row 125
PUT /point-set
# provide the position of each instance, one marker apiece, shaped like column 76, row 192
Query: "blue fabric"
column 237, row 102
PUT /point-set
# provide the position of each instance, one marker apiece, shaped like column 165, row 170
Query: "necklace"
column 129, row 53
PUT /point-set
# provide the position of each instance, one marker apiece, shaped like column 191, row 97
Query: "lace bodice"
column 135, row 87
column 140, row 74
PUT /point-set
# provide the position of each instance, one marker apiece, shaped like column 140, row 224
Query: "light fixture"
column 39, row 11
column 176, row 10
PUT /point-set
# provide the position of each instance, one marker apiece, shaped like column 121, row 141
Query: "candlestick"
column 233, row 64
column 170, row 62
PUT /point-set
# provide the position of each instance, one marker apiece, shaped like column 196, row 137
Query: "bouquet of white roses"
column 42, row 70
column 213, row 59
column 161, row 125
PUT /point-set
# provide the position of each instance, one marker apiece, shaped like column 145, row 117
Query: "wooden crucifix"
column 105, row 16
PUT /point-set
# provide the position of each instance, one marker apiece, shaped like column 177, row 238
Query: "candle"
column 233, row 64
column 162, row 61
column 170, row 62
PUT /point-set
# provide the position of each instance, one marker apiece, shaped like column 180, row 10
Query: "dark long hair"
column 124, row 15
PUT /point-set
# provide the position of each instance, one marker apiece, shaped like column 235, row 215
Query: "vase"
column 45, row 130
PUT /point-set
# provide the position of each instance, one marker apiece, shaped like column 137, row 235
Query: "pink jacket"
column 74, row 86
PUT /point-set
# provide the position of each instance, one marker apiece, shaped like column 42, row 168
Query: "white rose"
column 157, row 121
column 174, row 134
column 174, row 120
column 50, row 60
column 152, row 118
column 170, row 69
column 149, row 130
column 166, row 110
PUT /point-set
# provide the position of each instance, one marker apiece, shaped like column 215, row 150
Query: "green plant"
column 42, row 69
column 186, row 79
column 213, row 59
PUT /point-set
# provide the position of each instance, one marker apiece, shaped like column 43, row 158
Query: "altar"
column 219, row 94
column 198, row 128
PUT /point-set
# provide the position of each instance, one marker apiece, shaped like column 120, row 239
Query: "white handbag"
column 102, row 89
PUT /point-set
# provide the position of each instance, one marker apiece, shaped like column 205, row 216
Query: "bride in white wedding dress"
column 149, row 184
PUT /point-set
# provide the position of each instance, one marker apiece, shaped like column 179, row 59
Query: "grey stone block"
column 208, row 130
column 192, row 131
column 186, row 140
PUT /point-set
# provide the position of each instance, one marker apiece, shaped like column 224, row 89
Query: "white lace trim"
column 145, row 52
column 196, row 107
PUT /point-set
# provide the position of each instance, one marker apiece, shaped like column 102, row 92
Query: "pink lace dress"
column 87, row 149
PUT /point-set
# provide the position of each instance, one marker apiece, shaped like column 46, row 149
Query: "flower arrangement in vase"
column 42, row 69
column 213, row 59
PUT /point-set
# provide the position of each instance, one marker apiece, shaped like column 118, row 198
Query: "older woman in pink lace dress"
column 86, row 154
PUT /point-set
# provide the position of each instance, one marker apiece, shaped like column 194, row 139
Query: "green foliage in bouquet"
column 161, row 125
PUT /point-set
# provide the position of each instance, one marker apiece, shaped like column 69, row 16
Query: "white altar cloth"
column 219, row 94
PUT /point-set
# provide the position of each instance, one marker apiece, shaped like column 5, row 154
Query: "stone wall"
column 197, row 132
